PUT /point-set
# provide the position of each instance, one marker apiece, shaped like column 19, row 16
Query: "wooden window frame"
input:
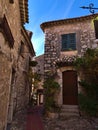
column 11, row 1
column 96, row 28
column 66, row 39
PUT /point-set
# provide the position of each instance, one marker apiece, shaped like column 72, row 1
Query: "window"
column 69, row 41
column 11, row 1
column 96, row 28
column 4, row 26
column 21, row 48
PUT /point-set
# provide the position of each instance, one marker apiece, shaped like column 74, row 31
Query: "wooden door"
column 70, row 89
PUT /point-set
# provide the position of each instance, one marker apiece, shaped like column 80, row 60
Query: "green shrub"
column 51, row 88
column 88, row 65
column 91, row 89
column 88, row 105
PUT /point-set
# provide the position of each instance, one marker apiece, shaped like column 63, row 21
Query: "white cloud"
column 38, row 43
column 50, row 13
column 68, row 9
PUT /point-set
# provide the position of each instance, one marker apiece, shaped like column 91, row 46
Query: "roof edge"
column 28, row 40
column 63, row 21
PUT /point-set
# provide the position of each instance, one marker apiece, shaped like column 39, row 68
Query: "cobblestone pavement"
column 71, row 123
column 65, row 123
column 19, row 121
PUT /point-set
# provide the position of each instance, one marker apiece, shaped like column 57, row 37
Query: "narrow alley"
column 34, row 120
column 46, row 77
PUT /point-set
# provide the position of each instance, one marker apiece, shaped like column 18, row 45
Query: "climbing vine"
column 88, row 65
column 51, row 87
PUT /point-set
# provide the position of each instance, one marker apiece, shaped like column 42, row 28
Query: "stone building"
column 39, row 69
column 16, row 51
column 40, row 66
column 64, row 40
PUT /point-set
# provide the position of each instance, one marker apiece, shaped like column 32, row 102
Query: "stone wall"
column 21, row 94
column 12, row 14
column 5, row 80
column 52, row 49
column 40, row 65
column 5, row 75
column 22, row 83
column 85, row 37
column 14, row 66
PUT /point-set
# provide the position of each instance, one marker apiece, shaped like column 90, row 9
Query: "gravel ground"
column 19, row 121
column 64, row 123
column 71, row 123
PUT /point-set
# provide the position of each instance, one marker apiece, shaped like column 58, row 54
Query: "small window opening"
column 96, row 28
column 11, row 1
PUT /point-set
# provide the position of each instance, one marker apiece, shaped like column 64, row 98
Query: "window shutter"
column 72, row 40
column 11, row 1
column 69, row 41
column 96, row 28
column 64, row 41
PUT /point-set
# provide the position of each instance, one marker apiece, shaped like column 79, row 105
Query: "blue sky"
column 48, row 10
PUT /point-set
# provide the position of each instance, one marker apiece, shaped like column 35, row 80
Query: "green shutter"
column 72, row 41
column 69, row 41
column 64, row 41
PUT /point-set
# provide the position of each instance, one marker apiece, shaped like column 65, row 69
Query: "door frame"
column 72, row 95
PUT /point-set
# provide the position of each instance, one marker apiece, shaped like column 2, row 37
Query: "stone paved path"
column 71, row 123
column 19, row 121
column 32, row 120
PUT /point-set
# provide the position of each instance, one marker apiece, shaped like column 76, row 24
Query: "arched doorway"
column 70, row 88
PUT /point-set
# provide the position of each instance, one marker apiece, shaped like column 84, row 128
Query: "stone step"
column 66, row 114
column 69, row 110
column 70, row 106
